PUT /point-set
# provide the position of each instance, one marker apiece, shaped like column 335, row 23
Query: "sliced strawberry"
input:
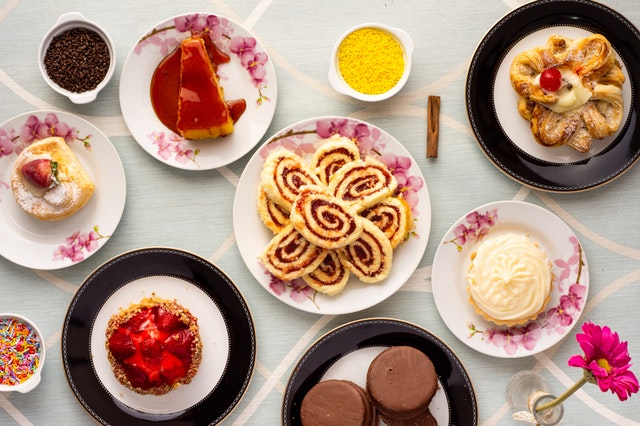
column 137, row 377
column 121, row 345
column 180, row 344
column 141, row 321
column 40, row 172
column 168, row 322
column 151, row 350
column 172, row 369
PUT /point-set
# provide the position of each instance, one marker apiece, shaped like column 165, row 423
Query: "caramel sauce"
column 167, row 83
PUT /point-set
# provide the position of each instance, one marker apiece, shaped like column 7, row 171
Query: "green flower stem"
column 559, row 400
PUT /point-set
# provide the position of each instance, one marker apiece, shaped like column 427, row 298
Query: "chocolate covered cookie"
column 401, row 382
column 339, row 403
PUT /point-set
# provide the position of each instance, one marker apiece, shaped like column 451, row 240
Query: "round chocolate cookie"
column 423, row 419
column 339, row 403
column 401, row 382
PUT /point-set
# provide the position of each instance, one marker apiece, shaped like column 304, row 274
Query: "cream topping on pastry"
column 571, row 95
column 509, row 277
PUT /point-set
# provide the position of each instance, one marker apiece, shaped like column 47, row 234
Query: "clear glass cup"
column 527, row 390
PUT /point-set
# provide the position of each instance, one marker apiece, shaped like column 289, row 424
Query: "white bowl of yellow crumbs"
column 371, row 62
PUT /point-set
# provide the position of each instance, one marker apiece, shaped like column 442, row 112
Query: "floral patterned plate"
column 250, row 75
column 302, row 138
column 47, row 245
column 570, row 281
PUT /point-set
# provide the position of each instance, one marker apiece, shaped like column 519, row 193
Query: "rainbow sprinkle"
column 19, row 351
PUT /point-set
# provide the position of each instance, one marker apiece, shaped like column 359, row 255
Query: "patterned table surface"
column 193, row 210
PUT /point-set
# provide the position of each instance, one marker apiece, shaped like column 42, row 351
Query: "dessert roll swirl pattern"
column 335, row 216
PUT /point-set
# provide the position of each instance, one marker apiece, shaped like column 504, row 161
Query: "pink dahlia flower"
column 606, row 359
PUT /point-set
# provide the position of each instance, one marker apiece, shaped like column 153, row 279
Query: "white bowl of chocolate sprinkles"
column 77, row 58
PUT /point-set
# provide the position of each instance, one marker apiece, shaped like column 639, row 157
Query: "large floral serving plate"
column 226, row 330
column 49, row 245
column 570, row 281
column 303, row 138
column 505, row 137
column 346, row 352
column 250, row 75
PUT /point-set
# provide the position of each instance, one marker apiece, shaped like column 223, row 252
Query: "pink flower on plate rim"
column 77, row 244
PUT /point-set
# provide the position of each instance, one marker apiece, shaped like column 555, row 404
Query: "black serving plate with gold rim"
column 192, row 275
column 381, row 332
column 591, row 170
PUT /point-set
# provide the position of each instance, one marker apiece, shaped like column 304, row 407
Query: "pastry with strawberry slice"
column 154, row 346
column 48, row 180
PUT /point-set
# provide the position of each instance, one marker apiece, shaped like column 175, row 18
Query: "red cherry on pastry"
column 40, row 172
column 551, row 79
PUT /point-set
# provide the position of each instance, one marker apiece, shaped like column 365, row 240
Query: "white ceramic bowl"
column 341, row 86
column 33, row 380
column 66, row 22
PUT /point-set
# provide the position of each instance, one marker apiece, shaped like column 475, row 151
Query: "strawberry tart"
column 154, row 346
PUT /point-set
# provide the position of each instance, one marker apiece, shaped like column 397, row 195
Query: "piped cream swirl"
column 509, row 277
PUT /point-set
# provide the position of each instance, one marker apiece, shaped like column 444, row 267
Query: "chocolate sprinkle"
column 77, row 60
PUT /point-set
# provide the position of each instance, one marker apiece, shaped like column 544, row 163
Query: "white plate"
column 570, row 281
column 39, row 244
column 256, row 85
column 253, row 236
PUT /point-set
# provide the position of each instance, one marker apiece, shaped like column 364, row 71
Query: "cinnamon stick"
column 433, row 126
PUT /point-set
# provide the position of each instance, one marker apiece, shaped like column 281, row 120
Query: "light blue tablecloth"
column 166, row 206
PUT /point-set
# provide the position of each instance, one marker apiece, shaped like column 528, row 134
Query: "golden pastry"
column 393, row 217
column 332, row 155
column 324, row 220
column 289, row 255
column 570, row 90
column 282, row 175
column 363, row 183
column 48, row 181
column 272, row 215
column 330, row 277
column 370, row 256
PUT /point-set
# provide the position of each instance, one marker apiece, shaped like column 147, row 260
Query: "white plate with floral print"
column 249, row 75
column 48, row 245
column 570, row 281
column 252, row 235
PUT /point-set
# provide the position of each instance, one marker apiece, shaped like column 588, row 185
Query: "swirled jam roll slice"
column 48, row 180
column 330, row 277
column 363, row 183
column 370, row 256
column 324, row 220
column 282, row 176
column 393, row 217
column 272, row 215
column 509, row 279
column 332, row 155
column 289, row 255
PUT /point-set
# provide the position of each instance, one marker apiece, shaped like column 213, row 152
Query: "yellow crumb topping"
column 371, row 60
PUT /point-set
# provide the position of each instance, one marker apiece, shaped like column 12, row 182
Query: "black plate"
column 463, row 409
column 190, row 270
column 591, row 171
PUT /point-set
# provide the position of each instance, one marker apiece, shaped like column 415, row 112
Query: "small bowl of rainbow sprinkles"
column 22, row 354
column 371, row 62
